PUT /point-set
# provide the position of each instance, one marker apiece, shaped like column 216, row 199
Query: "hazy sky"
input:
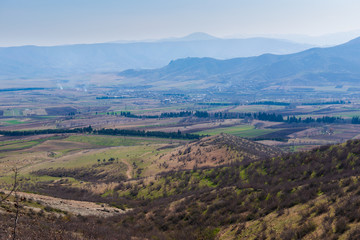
column 51, row 22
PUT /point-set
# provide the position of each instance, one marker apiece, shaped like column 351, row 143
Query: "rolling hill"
column 217, row 150
column 305, row 195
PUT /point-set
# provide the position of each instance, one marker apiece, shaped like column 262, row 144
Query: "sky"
column 57, row 22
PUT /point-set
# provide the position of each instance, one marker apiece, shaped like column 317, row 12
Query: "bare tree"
column 14, row 191
column 14, row 188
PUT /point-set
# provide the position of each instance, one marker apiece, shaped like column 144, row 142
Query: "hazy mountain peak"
column 196, row 36
column 199, row 36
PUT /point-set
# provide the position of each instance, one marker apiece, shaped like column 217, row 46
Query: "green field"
column 12, row 122
column 22, row 144
column 240, row 131
column 18, row 146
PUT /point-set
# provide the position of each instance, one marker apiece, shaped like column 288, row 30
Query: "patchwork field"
column 49, row 157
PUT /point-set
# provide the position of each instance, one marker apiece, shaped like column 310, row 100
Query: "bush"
column 341, row 225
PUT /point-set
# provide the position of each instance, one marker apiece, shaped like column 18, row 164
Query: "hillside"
column 314, row 67
column 309, row 195
column 55, row 61
column 211, row 151
column 215, row 151
column 306, row 195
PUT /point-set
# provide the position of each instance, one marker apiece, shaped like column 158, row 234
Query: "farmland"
column 140, row 156
column 56, row 153
column 57, row 109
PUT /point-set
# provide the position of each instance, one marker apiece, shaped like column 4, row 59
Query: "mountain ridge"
column 34, row 61
column 326, row 64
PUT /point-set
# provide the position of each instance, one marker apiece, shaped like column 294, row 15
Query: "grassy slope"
column 311, row 195
column 308, row 195
column 80, row 152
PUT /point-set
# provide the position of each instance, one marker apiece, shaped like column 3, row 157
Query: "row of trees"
column 324, row 119
column 271, row 103
column 355, row 120
column 90, row 130
column 263, row 116
column 327, row 103
column 46, row 131
column 205, row 114
column 272, row 117
column 162, row 115
column 288, row 104
column 143, row 133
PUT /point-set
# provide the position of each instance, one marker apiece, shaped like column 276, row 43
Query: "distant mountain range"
column 35, row 61
column 313, row 67
column 330, row 39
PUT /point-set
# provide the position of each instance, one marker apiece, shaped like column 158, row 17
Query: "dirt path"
column 74, row 207
column 129, row 169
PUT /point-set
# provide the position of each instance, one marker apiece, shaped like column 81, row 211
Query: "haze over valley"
column 67, row 60
column 220, row 120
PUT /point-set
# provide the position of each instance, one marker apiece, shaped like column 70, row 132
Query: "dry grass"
column 214, row 151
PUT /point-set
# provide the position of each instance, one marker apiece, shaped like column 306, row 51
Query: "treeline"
column 355, row 120
column 130, row 115
column 120, row 132
column 205, row 114
column 162, row 115
column 263, row 116
column 46, row 131
column 218, row 104
column 21, row 89
column 306, row 104
column 142, row 133
column 272, row 117
column 324, row 119
column 176, row 114
column 270, row 103
column 327, row 103
column 113, row 97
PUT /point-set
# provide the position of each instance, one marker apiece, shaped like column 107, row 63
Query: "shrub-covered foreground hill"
column 306, row 195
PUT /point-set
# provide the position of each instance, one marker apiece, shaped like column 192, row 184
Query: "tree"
column 14, row 190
